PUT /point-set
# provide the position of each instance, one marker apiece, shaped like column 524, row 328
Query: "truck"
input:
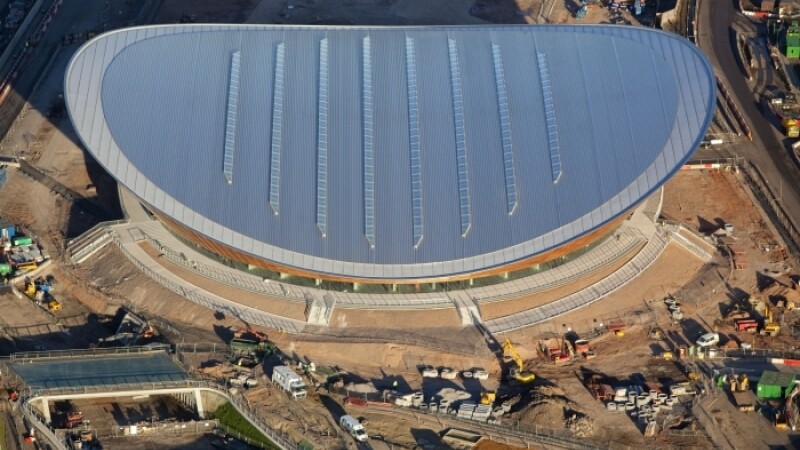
column 745, row 400
column 354, row 427
column 289, row 381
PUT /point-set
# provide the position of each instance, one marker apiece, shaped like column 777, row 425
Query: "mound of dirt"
column 551, row 408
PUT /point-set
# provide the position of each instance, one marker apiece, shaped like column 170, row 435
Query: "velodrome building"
column 391, row 155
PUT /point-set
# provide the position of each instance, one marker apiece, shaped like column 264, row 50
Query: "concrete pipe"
column 611, row 406
column 653, row 394
column 632, row 397
column 630, row 406
column 642, row 400
column 669, row 402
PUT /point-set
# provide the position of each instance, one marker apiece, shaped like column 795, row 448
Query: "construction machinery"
column 771, row 327
column 516, row 371
column 740, row 390
column 788, row 112
column 39, row 291
column 70, row 419
column 132, row 330
column 488, row 398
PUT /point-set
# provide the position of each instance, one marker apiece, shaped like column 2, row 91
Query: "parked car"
column 708, row 340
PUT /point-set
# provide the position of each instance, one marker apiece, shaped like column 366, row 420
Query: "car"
column 429, row 372
column 708, row 340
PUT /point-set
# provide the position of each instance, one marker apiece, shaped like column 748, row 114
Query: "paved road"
column 769, row 152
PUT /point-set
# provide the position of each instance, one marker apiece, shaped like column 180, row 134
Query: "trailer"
column 745, row 400
column 289, row 381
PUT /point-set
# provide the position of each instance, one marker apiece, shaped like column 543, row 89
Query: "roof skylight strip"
column 461, row 139
column 230, row 121
column 414, row 142
column 322, row 140
column 505, row 129
column 550, row 117
column 277, row 128
column 369, row 150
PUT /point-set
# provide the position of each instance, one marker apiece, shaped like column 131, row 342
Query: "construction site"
column 677, row 330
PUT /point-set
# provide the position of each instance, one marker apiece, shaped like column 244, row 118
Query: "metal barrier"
column 25, row 357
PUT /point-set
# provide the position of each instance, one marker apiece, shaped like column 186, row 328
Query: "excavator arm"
column 519, row 373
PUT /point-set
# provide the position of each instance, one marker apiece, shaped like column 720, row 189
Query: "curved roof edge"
column 83, row 80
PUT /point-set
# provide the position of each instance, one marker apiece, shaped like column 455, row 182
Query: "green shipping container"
column 21, row 240
column 775, row 384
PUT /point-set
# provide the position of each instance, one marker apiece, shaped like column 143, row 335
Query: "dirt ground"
column 706, row 200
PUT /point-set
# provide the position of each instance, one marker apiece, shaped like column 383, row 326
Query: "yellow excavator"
column 517, row 371
column 771, row 327
column 488, row 398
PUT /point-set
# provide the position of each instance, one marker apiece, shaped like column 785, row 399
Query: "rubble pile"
column 580, row 425
column 551, row 408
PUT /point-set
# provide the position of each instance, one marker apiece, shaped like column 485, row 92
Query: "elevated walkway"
column 638, row 232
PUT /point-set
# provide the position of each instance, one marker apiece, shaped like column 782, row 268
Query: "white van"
column 353, row 427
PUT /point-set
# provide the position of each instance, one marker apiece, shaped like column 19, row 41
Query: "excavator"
column 517, row 371
column 771, row 327
column 488, row 398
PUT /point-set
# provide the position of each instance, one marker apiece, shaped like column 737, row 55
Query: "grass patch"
column 231, row 419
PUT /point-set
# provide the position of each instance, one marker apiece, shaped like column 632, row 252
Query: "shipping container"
column 21, row 240
column 775, row 384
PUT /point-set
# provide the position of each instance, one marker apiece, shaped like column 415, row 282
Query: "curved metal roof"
column 392, row 153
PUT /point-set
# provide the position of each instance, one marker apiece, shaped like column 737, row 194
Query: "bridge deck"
column 79, row 372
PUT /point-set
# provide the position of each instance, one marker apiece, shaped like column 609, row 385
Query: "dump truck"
column 745, row 400
column 289, row 381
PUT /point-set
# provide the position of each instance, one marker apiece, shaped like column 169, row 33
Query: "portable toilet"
column 774, row 384
column 793, row 41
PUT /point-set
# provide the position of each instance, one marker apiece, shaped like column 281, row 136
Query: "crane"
column 518, row 371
